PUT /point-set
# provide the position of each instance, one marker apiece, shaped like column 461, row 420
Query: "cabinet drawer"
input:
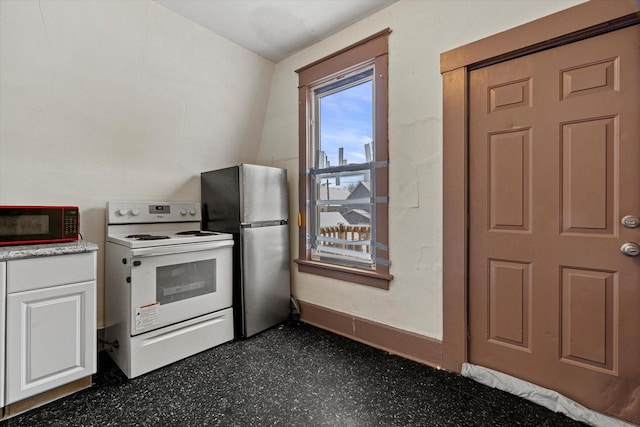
column 37, row 273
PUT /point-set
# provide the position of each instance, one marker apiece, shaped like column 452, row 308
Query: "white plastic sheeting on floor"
column 542, row 396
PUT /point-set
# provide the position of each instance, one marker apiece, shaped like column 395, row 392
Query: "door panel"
column 265, row 279
column 554, row 165
column 51, row 338
column 509, row 300
column 264, row 194
column 509, row 180
column 587, row 318
column 587, row 199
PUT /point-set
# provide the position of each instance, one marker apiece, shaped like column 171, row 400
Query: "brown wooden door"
column 554, row 166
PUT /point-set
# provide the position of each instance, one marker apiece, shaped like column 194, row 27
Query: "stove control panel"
column 150, row 212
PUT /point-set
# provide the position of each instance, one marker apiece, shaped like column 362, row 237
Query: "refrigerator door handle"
column 263, row 223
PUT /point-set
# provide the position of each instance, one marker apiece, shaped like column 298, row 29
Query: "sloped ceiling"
column 275, row 29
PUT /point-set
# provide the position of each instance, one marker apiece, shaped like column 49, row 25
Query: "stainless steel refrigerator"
column 251, row 202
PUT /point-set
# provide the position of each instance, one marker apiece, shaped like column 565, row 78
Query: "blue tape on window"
column 382, row 164
column 346, row 168
column 382, row 246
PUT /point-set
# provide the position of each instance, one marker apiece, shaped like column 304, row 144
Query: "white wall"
column 421, row 31
column 103, row 100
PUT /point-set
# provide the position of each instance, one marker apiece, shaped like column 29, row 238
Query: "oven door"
column 173, row 283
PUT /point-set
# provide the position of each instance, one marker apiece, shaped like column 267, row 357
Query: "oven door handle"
column 180, row 249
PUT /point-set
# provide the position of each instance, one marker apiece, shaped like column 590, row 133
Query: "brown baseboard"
column 46, row 397
column 393, row 340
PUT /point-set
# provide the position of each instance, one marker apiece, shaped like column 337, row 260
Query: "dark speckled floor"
column 292, row 375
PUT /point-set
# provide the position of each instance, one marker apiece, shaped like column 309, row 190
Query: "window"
column 344, row 164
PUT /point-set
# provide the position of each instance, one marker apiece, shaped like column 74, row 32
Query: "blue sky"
column 346, row 121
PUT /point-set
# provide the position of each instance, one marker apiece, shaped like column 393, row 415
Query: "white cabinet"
column 3, row 293
column 51, row 323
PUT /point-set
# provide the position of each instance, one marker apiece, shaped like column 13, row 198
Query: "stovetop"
column 163, row 238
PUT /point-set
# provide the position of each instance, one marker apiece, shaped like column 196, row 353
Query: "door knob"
column 630, row 249
column 630, row 221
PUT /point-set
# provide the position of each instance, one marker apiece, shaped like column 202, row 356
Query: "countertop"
column 9, row 253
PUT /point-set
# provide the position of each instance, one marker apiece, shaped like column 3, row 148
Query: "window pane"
column 346, row 126
column 343, row 217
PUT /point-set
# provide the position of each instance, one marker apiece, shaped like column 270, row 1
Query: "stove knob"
column 183, row 211
column 135, row 211
column 123, row 211
column 192, row 211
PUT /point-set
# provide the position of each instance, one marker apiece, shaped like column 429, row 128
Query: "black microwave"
column 22, row 225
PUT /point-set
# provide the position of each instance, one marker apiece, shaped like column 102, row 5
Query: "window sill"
column 348, row 274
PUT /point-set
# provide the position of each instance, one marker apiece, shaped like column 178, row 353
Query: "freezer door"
column 265, row 279
column 264, row 194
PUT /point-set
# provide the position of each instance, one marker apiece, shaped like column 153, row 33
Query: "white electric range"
column 168, row 285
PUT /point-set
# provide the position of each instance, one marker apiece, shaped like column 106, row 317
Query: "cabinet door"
column 51, row 338
column 3, row 293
